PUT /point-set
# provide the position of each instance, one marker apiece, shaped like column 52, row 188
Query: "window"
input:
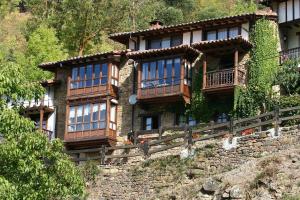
column 87, row 117
column 176, row 41
column 165, row 42
column 150, row 123
column 222, row 118
column 114, row 75
column 113, row 112
column 211, row 35
column 233, row 32
column 181, row 120
column 177, row 67
column 187, row 73
column 88, row 76
column 222, row 34
column 161, row 73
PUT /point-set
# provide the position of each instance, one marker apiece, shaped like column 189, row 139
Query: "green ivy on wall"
column 262, row 71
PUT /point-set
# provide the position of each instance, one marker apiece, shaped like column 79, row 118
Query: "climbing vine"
column 262, row 71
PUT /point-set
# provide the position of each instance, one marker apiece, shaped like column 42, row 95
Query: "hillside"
column 260, row 168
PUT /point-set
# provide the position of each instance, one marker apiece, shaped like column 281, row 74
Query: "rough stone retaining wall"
column 122, row 182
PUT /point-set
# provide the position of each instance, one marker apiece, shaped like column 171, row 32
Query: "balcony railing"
column 290, row 54
column 163, row 87
column 48, row 133
column 92, row 86
column 224, row 78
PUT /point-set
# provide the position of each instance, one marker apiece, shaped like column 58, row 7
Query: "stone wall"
column 60, row 95
column 138, row 180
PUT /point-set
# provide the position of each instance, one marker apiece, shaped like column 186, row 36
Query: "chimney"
column 155, row 24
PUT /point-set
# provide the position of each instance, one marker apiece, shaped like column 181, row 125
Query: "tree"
column 43, row 46
column 31, row 167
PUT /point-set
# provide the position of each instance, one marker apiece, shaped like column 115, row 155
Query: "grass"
column 291, row 197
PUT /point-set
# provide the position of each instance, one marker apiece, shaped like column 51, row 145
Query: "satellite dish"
column 132, row 99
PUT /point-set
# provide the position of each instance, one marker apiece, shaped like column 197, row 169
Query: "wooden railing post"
column 204, row 72
column 145, row 147
column 236, row 63
column 160, row 132
column 135, row 137
column 190, row 138
column 276, row 121
column 102, row 154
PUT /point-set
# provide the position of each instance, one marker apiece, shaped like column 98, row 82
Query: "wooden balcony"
column 48, row 133
column 290, row 54
column 97, row 90
column 163, row 90
column 223, row 80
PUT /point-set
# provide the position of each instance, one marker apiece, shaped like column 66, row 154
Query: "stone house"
column 104, row 98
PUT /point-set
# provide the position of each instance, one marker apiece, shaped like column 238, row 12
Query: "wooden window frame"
column 78, row 80
column 148, row 79
column 172, row 38
column 227, row 30
column 91, row 121
column 144, row 121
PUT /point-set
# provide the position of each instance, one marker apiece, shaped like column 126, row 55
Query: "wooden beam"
column 41, row 118
column 236, row 63
column 204, row 71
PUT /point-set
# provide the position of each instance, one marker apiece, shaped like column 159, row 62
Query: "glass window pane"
column 148, row 123
column 144, row 74
column 96, row 74
column 176, row 41
column 102, row 112
column 89, row 76
column 74, row 78
column 222, row 34
column 211, row 35
column 95, row 125
column 104, row 74
column 155, row 44
column 95, row 112
column 72, row 115
column 192, row 121
column 87, row 113
column 233, row 32
column 102, row 125
column 169, row 71
column 161, row 64
column 103, row 80
column 166, row 42
column 79, row 127
column 152, row 70
column 79, row 114
column 113, row 113
column 81, row 76
column 177, row 71
column 104, row 69
column 71, row 128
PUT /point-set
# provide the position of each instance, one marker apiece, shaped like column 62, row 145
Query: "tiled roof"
column 205, row 45
column 85, row 57
column 269, row 14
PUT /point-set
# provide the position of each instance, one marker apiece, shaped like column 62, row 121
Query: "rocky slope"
column 259, row 168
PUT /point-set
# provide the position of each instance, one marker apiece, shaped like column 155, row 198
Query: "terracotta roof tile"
column 49, row 64
column 201, row 22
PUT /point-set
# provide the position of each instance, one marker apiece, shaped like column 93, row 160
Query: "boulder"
column 236, row 192
column 211, row 185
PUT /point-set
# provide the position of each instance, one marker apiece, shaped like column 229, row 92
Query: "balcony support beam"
column 236, row 64
column 107, row 115
column 204, row 71
column 139, row 75
column 41, row 118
